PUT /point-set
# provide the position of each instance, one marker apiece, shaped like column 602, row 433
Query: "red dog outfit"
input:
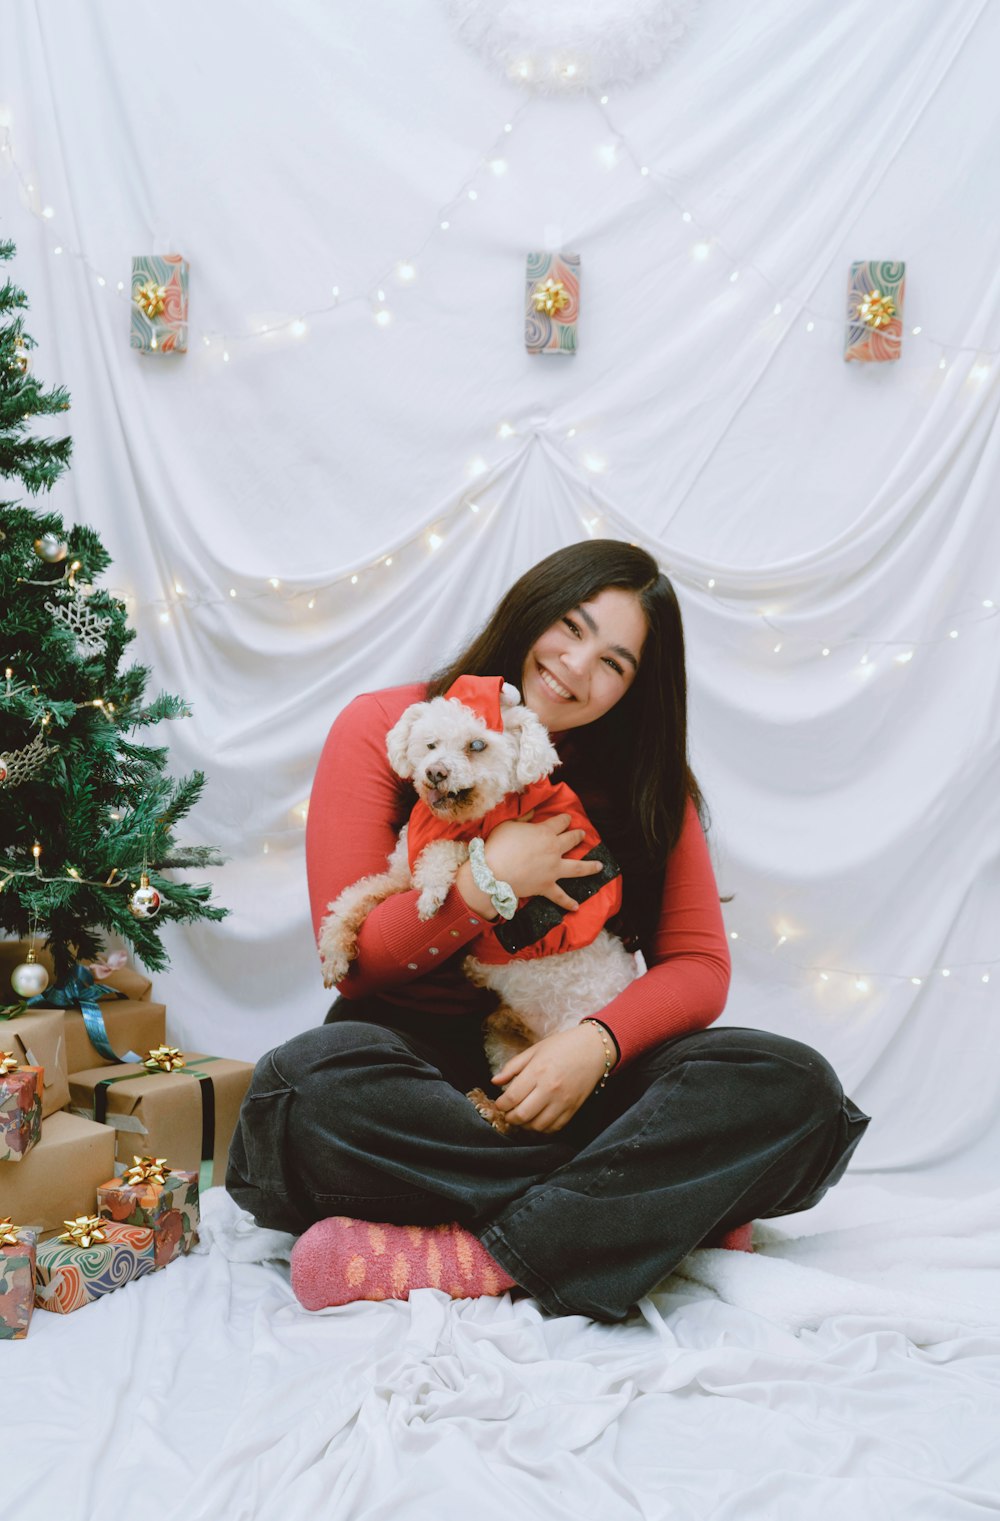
column 539, row 927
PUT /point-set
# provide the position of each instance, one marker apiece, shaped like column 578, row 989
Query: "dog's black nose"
column 435, row 777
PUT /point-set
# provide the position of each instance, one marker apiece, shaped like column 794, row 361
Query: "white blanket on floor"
column 850, row 1367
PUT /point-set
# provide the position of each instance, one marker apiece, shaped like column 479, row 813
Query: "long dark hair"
column 631, row 765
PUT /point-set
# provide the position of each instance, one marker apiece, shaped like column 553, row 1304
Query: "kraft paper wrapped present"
column 20, row 1109
column 36, row 1038
column 552, row 303
column 188, row 1114
column 59, row 1177
column 158, row 1196
column 160, row 304
column 69, row 1276
column 134, row 1024
column 17, row 1279
column 875, row 311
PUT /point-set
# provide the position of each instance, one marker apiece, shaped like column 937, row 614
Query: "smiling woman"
column 360, row 1135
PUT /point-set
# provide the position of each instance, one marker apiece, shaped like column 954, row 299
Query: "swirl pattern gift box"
column 20, row 1107
column 161, row 1197
column 71, row 1275
column 875, row 311
column 160, row 304
column 17, row 1279
column 552, row 303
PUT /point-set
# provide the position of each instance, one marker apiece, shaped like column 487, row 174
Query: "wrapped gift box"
column 170, row 1208
column 552, row 303
column 37, row 1040
column 20, row 1112
column 17, row 1282
column 875, row 311
column 160, row 304
column 59, row 1178
column 168, row 1114
column 68, row 1276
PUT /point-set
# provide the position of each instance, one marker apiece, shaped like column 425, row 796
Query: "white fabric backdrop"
column 287, row 149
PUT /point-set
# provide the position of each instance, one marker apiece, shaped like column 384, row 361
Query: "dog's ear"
column 536, row 754
column 397, row 741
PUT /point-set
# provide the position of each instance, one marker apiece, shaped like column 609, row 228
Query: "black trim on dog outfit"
column 539, row 915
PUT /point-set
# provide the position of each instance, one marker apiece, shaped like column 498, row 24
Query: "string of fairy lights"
column 707, row 248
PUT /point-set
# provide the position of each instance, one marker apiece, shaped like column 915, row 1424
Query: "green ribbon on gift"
column 207, row 1110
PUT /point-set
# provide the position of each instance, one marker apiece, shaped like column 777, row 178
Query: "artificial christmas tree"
column 87, row 813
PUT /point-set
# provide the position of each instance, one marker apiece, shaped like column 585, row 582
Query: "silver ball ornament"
column 145, row 901
column 51, row 548
column 29, row 979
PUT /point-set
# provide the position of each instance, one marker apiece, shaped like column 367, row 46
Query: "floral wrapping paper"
column 69, row 1277
column 167, row 332
column 874, row 345
column 170, row 1209
column 555, row 333
column 20, row 1112
column 17, row 1285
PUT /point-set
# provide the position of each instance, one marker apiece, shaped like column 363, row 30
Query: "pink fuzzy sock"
column 340, row 1260
column 738, row 1240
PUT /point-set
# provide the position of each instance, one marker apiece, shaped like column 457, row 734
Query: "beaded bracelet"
column 608, row 1050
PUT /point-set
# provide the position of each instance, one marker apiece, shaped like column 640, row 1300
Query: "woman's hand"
column 531, row 857
column 545, row 1085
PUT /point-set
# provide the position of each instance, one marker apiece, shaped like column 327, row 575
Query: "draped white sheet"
column 289, row 149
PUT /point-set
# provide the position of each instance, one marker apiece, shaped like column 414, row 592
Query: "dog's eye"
column 432, row 744
column 477, row 744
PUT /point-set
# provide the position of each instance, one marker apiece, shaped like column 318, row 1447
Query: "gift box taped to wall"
column 163, row 1113
column 59, row 1178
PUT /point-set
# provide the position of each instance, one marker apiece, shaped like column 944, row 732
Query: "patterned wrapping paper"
column 886, row 280
column 69, row 1277
column 17, row 1285
column 167, row 332
column 170, row 1209
column 36, row 1038
column 555, row 333
column 20, row 1112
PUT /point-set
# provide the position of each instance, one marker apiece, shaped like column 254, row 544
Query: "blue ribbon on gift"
column 79, row 989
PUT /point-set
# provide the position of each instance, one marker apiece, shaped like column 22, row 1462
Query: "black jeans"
column 367, row 1116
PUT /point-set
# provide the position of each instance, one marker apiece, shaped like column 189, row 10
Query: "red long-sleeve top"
column 356, row 808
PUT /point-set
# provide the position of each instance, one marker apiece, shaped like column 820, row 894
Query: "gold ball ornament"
column 145, row 901
column 51, row 548
column 20, row 359
column 29, row 979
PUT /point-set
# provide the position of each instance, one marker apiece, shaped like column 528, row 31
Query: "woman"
column 636, row 1136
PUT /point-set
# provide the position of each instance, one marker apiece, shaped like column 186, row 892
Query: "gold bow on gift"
column 164, row 1059
column 85, row 1230
column 876, row 310
column 551, row 297
column 8, row 1063
column 8, row 1232
column 146, row 1170
column 151, row 298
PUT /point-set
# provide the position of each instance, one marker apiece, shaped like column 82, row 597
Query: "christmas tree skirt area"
column 849, row 1366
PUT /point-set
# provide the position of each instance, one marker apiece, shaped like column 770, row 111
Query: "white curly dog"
column 467, row 763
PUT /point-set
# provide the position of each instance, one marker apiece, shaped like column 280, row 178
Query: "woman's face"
column 582, row 665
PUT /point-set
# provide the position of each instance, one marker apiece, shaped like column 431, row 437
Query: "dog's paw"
column 429, row 902
column 488, row 1109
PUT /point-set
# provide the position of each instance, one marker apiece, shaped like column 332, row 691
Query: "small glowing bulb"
column 498, row 165
column 445, row 226
column 73, row 872
column 644, row 169
column 508, row 126
column 311, row 603
column 571, row 433
column 735, row 275
column 9, row 672
column 945, row 972
column 388, row 559
column 101, row 280
column 824, row 977
column 569, row 70
column 298, row 327
column 863, row 660
column 777, row 309
column 826, row 649
column 608, row 155
column 810, row 326
column 986, row 976
column 232, row 591
column 953, row 634
column 153, row 343
column 903, row 657
column 384, row 317
column 777, row 649
column 477, row 466
column 505, row 430
column 943, row 364
column 473, row 195
column 435, row 540
column 734, row 934
column 861, row 985
column 782, row 939
column 916, row 981
column 381, row 295
column 164, row 617
column 916, row 330
column 178, row 588
column 685, row 216
column 121, row 285
column 604, row 100
column 335, row 290
column 711, row 583
column 264, row 328
column 473, row 506
column 206, row 342
column 595, row 463
column 273, row 581
column 979, row 372
column 987, row 601
column 354, row 580
column 225, row 356
column 406, row 271
column 36, row 850
column 701, row 251
column 266, row 847
column 47, row 211
column 57, row 249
